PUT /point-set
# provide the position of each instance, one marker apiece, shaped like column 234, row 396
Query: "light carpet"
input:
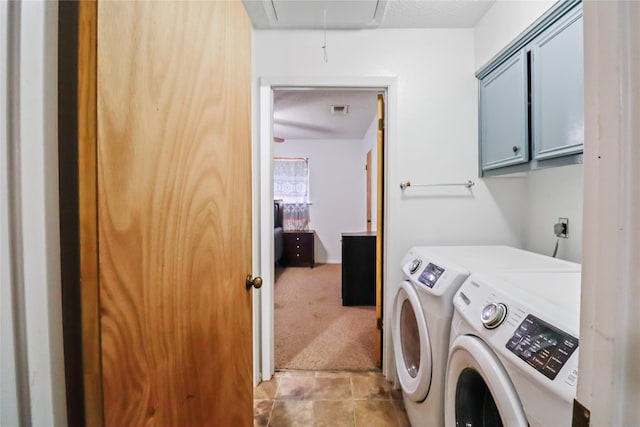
column 313, row 331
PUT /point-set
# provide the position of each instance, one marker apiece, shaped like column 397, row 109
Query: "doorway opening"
column 334, row 161
column 325, row 317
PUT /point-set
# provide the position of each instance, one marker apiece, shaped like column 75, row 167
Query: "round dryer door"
column 478, row 391
column 411, row 343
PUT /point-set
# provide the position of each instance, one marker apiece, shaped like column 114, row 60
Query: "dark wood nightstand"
column 298, row 248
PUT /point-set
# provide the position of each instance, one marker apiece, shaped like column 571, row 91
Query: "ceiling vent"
column 340, row 110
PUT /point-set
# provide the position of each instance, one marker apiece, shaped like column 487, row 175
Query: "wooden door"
column 379, row 227
column 172, row 174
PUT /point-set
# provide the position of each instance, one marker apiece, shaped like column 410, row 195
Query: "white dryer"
column 423, row 309
column 513, row 358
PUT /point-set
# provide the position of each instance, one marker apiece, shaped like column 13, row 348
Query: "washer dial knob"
column 415, row 265
column 493, row 315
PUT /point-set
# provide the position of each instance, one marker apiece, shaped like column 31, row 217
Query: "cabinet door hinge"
column 380, row 124
column 379, row 323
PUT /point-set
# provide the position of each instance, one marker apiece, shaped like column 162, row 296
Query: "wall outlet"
column 561, row 228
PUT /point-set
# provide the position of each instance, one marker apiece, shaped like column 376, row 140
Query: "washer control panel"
column 544, row 347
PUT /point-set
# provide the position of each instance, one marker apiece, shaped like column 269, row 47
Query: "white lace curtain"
column 291, row 185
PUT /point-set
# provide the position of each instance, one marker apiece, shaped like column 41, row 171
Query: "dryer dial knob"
column 415, row 265
column 493, row 315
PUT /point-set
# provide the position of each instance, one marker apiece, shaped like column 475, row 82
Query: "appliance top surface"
column 494, row 258
column 551, row 292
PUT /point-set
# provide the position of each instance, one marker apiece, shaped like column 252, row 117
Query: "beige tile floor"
column 328, row 398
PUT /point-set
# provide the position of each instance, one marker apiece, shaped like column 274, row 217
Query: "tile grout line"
column 273, row 402
column 353, row 402
column 395, row 411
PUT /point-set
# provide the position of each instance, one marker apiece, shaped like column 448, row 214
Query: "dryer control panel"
column 542, row 346
column 435, row 276
column 427, row 274
column 430, row 275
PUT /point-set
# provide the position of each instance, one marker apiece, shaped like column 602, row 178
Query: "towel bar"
column 468, row 184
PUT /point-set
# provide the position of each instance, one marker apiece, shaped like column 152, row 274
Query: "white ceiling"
column 305, row 114
column 360, row 14
column 434, row 14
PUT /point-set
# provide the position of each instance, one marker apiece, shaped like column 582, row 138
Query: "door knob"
column 256, row 282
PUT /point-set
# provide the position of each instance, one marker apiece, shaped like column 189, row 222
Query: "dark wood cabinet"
column 298, row 248
column 359, row 268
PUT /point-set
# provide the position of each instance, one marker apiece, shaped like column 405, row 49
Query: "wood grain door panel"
column 174, row 212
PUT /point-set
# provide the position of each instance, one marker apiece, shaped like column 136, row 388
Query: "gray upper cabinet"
column 503, row 115
column 557, row 88
column 531, row 97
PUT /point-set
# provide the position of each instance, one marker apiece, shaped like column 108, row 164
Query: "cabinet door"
column 557, row 89
column 503, row 114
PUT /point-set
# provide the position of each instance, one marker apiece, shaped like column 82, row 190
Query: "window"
column 291, row 185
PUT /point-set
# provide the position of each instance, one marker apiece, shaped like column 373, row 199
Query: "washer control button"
column 493, row 315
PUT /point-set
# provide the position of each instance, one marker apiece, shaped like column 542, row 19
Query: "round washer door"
column 411, row 343
column 478, row 391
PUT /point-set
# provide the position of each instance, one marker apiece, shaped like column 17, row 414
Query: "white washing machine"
column 513, row 358
column 423, row 309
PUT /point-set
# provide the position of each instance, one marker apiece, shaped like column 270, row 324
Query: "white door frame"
column 9, row 409
column 264, row 307
column 608, row 380
column 31, row 237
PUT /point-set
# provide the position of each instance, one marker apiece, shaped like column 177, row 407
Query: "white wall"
column 437, row 127
column 554, row 193
column 8, row 385
column 502, row 23
column 549, row 193
column 337, row 190
column 435, row 139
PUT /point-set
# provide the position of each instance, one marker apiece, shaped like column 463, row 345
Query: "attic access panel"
column 340, row 14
